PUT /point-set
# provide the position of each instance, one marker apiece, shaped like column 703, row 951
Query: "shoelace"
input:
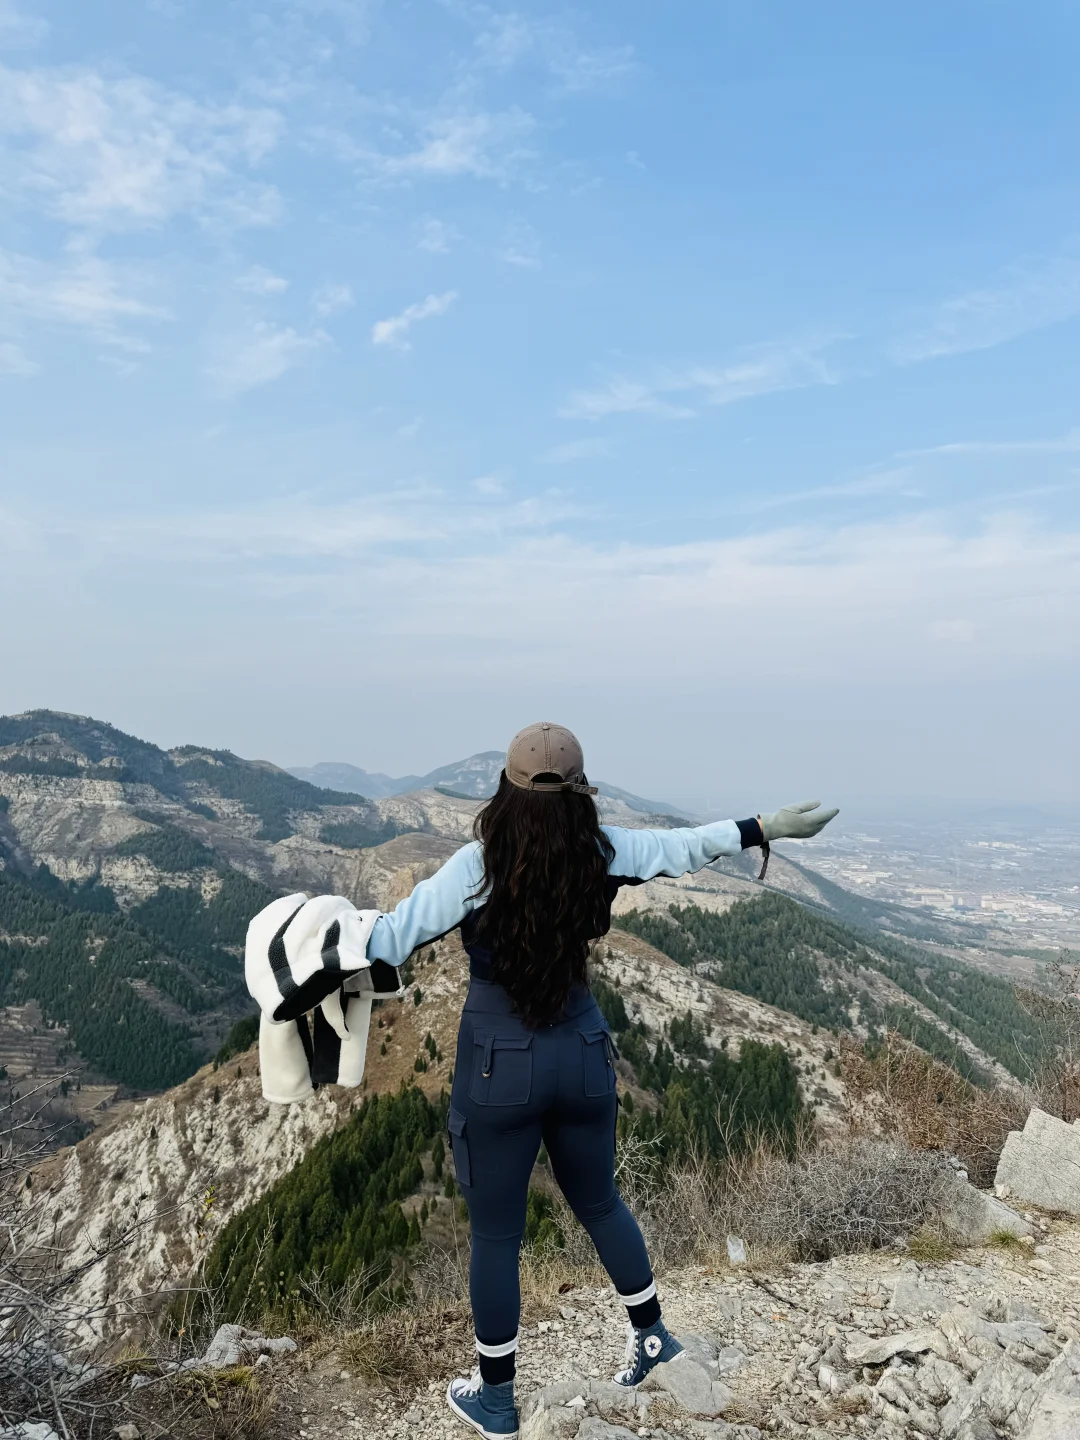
column 475, row 1382
column 633, row 1350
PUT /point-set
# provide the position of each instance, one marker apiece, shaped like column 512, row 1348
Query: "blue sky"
column 375, row 378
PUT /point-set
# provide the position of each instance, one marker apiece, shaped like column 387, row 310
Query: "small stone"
column 128, row 1431
column 877, row 1352
column 736, row 1250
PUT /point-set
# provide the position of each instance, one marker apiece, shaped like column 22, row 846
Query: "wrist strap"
column 766, row 851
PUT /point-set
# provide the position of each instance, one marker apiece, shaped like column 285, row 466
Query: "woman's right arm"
column 435, row 906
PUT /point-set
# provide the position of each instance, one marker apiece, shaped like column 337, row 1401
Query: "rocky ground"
column 983, row 1346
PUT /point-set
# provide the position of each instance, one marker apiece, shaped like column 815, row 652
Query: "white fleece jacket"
column 306, row 956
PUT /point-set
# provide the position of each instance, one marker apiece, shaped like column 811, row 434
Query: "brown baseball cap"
column 547, row 749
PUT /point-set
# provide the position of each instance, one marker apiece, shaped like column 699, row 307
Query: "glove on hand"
column 795, row 822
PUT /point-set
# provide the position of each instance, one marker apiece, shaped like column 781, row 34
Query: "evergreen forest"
column 789, row 956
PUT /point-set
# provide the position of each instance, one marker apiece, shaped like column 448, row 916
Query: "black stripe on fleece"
column 279, row 961
column 750, row 833
column 331, row 957
column 326, row 1061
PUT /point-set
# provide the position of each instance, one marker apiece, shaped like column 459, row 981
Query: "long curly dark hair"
column 546, row 863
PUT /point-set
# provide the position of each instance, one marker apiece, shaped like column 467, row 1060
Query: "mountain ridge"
column 476, row 777
column 150, row 862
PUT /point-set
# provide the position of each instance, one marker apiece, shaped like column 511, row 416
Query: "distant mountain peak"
column 474, row 778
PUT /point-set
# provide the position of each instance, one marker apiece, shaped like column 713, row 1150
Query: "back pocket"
column 599, row 1066
column 501, row 1069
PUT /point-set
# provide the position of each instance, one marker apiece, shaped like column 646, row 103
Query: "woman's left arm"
column 435, row 907
column 643, row 854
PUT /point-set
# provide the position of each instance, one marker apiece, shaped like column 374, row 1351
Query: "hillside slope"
column 162, row 1157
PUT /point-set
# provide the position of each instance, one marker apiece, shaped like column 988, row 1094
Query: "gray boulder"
column 971, row 1217
column 540, row 1426
column 731, row 1360
column 690, row 1385
column 1055, row 1417
column 1040, row 1164
column 233, row 1345
column 913, row 1298
column 551, row 1397
column 593, row 1428
column 703, row 1350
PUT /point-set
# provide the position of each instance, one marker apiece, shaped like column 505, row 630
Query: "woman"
column 534, row 1058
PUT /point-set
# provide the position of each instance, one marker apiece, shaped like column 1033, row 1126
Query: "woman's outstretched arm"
column 643, row 854
column 435, row 906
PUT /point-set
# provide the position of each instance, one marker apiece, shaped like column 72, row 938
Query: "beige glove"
column 795, row 822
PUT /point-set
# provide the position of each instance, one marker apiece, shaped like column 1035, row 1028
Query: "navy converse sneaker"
column 646, row 1349
column 490, row 1409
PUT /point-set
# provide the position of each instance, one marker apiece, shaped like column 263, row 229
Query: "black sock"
column 497, row 1369
column 645, row 1314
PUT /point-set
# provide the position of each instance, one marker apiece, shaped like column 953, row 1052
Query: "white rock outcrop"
column 1040, row 1164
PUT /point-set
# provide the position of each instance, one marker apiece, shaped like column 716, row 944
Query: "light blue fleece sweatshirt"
column 441, row 903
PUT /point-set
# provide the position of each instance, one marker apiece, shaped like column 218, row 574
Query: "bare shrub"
column 828, row 1199
column 929, row 1106
column 49, row 1333
column 851, row 1195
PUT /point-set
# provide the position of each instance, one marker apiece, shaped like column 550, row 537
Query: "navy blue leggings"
column 513, row 1088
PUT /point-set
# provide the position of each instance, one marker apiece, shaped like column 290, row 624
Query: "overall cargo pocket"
column 459, row 1146
column 599, row 1061
column 501, row 1069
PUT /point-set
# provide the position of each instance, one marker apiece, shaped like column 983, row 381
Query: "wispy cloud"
column 331, row 299
column 453, row 143
column 14, row 361
column 260, row 281
column 257, row 356
column 678, row 393
column 521, row 246
column 353, row 17
column 84, row 292
column 505, row 39
column 569, row 453
column 1053, row 445
column 1032, row 294
column 394, row 331
column 489, row 485
column 104, row 153
column 994, row 599
column 436, row 236
column 17, row 28
column 300, row 527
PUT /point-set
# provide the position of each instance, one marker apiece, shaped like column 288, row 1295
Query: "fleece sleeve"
column 434, row 907
column 642, row 854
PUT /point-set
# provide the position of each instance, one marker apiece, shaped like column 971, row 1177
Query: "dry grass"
column 929, row 1106
column 1005, row 1240
column 930, row 1246
column 405, row 1348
